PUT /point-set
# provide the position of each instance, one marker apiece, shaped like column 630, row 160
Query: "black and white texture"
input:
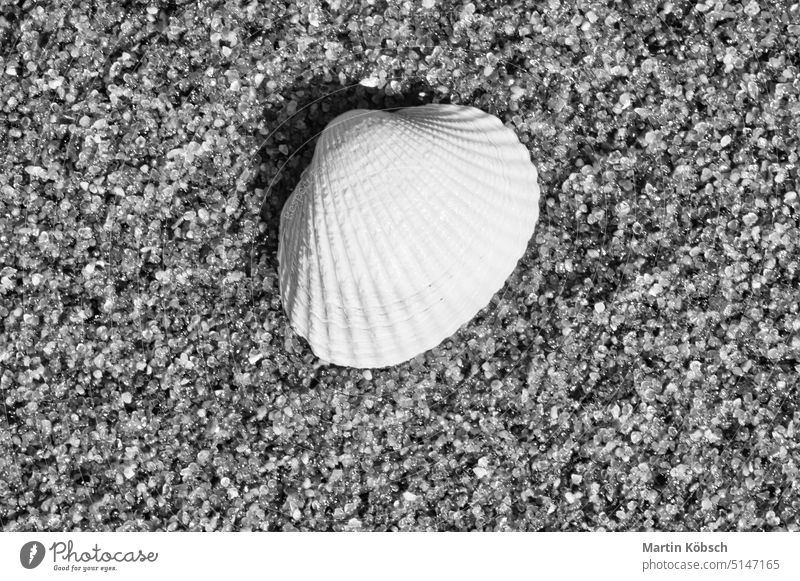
column 638, row 371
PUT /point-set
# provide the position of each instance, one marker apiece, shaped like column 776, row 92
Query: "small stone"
column 480, row 472
column 36, row 171
column 517, row 92
column 752, row 8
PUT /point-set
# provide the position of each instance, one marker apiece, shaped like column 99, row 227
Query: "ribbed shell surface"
column 402, row 228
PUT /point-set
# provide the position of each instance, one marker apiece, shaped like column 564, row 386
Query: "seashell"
column 401, row 229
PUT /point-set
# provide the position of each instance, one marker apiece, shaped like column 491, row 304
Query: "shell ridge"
column 370, row 221
column 343, row 318
column 478, row 212
column 444, row 314
column 400, row 251
column 461, row 185
column 361, row 262
column 470, row 162
column 403, row 261
column 410, row 262
column 433, row 206
column 318, row 227
column 437, row 247
column 475, row 207
column 390, row 323
column 410, row 205
column 508, row 187
column 443, row 249
column 317, row 276
column 290, row 251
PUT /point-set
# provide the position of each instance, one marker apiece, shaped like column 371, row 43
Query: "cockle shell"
column 401, row 229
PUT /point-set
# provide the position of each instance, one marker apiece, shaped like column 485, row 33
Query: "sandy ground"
column 639, row 370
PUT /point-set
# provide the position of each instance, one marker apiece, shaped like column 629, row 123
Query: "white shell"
column 402, row 228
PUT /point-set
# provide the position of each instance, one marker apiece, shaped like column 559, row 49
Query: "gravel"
column 639, row 371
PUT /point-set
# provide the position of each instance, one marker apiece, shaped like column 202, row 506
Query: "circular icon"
column 31, row 554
